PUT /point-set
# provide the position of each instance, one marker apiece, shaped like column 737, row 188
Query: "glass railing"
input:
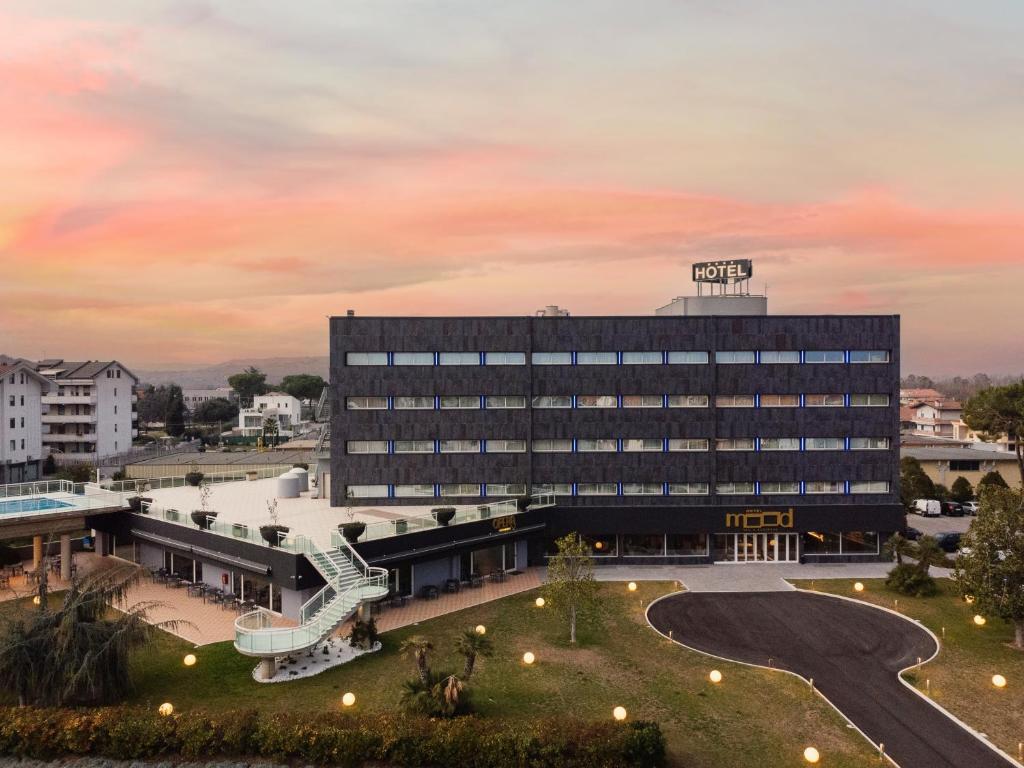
column 140, row 486
column 79, row 495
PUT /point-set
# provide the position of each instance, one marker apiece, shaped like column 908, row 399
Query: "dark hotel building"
column 709, row 432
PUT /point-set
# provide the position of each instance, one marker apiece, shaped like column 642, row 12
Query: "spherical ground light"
column 811, row 755
column 619, row 713
column 631, row 586
column 858, row 587
column 529, row 658
column 539, row 602
column 36, row 600
column 190, row 660
column 969, row 599
column 979, row 619
column 348, row 699
column 481, row 629
column 998, row 681
column 166, row 709
column 715, row 676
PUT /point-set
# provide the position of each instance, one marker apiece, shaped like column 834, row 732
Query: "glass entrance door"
column 755, row 548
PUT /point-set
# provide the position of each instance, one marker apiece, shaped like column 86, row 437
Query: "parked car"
column 910, row 534
column 948, row 541
column 970, row 507
column 952, row 509
column 928, row 507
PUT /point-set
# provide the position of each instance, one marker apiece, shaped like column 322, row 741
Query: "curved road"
column 852, row 651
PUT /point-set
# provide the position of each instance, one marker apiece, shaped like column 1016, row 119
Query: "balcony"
column 70, row 438
column 68, row 418
column 52, row 399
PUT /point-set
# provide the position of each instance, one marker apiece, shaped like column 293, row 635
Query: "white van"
column 928, row 507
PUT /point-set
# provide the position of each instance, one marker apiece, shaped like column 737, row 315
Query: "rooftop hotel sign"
column 723, row 271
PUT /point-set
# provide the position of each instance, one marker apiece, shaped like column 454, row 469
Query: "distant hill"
column 212, row 376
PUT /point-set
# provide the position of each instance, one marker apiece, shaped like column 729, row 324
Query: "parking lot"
column 933, row 525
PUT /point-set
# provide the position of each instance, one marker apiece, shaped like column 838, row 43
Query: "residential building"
column 281, row 408
column 89, row 410
column 935, row 417
column 196, row 397
column 919, row 395
column 21, row 421
column 964, row 433
column 944, row 464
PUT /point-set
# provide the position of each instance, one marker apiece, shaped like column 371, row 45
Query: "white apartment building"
column 935, row 417
column 196, row 397
column 90, row 409
column 283, row 408
column 21, row 426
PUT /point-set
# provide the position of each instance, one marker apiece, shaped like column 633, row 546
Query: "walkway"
column 852, row 651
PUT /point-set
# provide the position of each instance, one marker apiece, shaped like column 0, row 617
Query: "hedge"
column 329, row 738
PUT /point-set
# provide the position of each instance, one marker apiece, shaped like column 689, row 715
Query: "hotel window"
column 780, row 443
column 868, row 400
column 734, row 444
column 596, row 401
column 640, row 445
column 734, row 401
column 780, row 401
column 642, row 489
column 601, row 545
column 551, row 358
column 460, row 489
column 552, row 446
column 505, row 401
column 418, row 491
column 815, row 543
column 597, row 489
column 460, row 446
column 506, row 489
column 734, row 489
column 824, row 401
column 687, row 358
column 870, row 444
column 366, row 358
column 458, row 358
column 366, row 491
column 552, row 401
column 366, row 446
column 590, row 445
column 830, row 356
column 597, row 358
column 770, row 488
column 687, row 401
column 414, row 446
column 366, row 403
column 824, row 444
column 733, row 357
column 686, row 544
column 412, row 358
column 823, row 486
column 559, row 489
column 643, row 545
column 505, row 446
column 688, row 444
column 962, row 465
column 407, row 403
column 641, row 358
column 869, row 486
column 641, row 401
column 774, row 357
column 504, row 358
column 459, row 401
column 687, row 489
column 869, row 356
column 859, row 542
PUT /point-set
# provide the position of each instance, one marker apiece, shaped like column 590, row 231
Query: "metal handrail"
column 142, row 485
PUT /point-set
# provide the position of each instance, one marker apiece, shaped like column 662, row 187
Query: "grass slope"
column 961, row 674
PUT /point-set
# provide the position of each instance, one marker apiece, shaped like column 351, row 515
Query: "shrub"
column 442, row 694
column 194, row 478
column 364, row 634
column 910, row 579
column 328, row 738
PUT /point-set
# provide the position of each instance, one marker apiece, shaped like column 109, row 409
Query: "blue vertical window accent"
column 664, row 398
column 574, row 484
column 483, row 401
column 391, row 491
column 618, row 445
column 664, row 449
column 574, row 363
column 482, row 356
column 483, row 446
column 802, row 398
column 391, row 402
column 664, row 489
column 391, row 446
column 618, row 488
column 664, row 359
column 846, row 400
column 437, row 402
column 618, row 358
column 757, row 487
column 437, row 358
column 803, row 445
column 437, row 446
column 757, row 443
column 803, row 488
column 846, row 446
column 483, row 490
column 437, row 489
column 574, row 451
column 618, row 401
column 846, row 356
column 802, row 360
column 574, row 401
column 757, row 397
column 846, row 487
column 757, row 357
column 391, row 358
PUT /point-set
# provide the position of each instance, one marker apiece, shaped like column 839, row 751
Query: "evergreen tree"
column 961, row 490
column 914, row 483
column 174, row 414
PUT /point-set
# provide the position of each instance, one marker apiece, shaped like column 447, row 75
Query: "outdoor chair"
column 451, row 586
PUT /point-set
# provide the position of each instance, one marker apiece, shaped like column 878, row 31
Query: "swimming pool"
column 17, row 506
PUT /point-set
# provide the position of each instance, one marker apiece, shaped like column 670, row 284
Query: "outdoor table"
column 212, row 593
column 194, row 590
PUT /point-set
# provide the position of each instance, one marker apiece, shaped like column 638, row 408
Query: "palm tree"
column 928, row 553
column 471, row 644
column 79, row 653
column 417, row 647
column 897, row 546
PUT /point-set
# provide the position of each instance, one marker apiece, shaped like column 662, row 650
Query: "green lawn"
column 960, row 676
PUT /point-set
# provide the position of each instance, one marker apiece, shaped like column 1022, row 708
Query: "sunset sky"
column 183, row 184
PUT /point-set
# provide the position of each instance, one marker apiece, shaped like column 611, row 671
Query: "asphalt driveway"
column 852, row 651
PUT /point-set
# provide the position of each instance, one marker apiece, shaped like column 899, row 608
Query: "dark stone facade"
column 648, row 333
